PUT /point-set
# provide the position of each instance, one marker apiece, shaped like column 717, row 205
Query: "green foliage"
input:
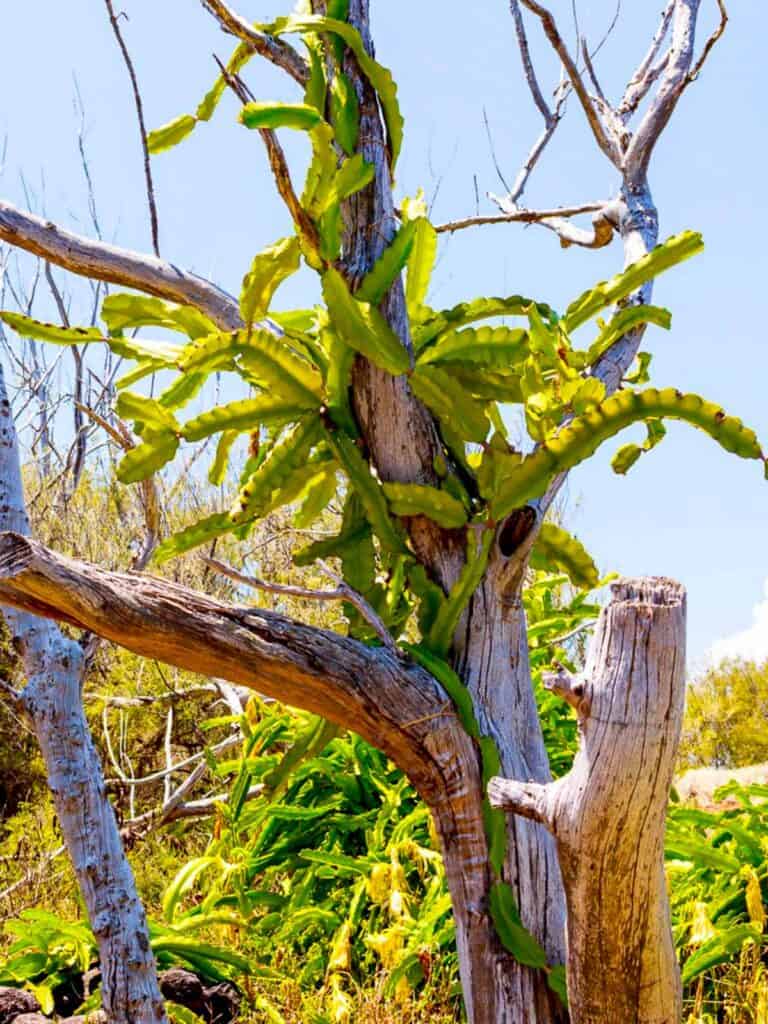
column 268, row 270
column 726, row 709
column 556, row 549
column 717, row 867
column 420, row 500
column 35, row 329
column 299, row 116
column 361, row 326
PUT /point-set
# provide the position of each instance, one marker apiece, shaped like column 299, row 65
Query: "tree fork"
column 608, row 813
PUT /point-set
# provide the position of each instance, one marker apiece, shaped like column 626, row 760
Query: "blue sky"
column 687, row 510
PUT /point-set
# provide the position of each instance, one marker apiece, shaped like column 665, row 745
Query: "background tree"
column 453, row 529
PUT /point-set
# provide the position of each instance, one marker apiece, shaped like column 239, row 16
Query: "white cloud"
column 750, row 644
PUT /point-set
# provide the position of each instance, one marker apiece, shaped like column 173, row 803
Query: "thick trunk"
column 53, row 665
column 492, row 659
column 403, row 442
column 608, row 814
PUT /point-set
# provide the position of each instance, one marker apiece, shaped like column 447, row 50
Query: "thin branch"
column 105, row 262
column 277, row 51
column 649, row 68
column 343, row 592
column 520, row 216
column 711, row 42
column 278, row 165
column 606, row 142
column 492, row 148
column 114, row 21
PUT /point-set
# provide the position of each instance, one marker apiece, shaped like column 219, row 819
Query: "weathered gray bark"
column 53, row 665
column 608, row 813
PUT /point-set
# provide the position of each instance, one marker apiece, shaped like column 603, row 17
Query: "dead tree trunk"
column 53, row 665
column 608, row 813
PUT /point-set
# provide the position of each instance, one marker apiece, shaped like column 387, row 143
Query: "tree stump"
column 608, row 813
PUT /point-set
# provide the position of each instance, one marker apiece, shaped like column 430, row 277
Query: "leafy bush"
column 725, row 718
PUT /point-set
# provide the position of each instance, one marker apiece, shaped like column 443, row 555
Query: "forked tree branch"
column 674, row 81
column 607, row 143
column 104, row 262
column 277, row 51
column 395, row 705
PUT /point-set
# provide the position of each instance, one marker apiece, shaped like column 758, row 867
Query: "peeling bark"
column 608, row 813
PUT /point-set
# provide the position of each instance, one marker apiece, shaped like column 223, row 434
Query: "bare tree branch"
column 114, row 21
column 343, row 592
column 711, row 42
column 105, row 262
column 395, row 705
column 277, row 51
column 649, row 68
column 607, row 143
column 520, row 216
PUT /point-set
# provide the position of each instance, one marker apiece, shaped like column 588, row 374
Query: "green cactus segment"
column 556, row 550
column 622, row 323
column 362, row 327
column 422, row 260
column 368, row 489
column 26, row 327
column 269, row 269
column 665, row 256
column 457, row 411
column 450, row 682
column 193, row 536
column 514, row 936
column 471, row 312
column 158, row 448
column 122, row 311
column 528, row 478
column 378, row 281
column 379, row 76
column 420, row 500
column 218, row 470
column 355, row 529
column 628, row 454
column 247, row 414
column 440, row 636
column 141, row 409
column 285, row 456
column 497, row 347
column 505, row 914
column 269, row 362
column 171, row 134
column 298, row 116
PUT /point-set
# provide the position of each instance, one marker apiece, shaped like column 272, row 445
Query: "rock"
column 99, row 1017
column 31, row 1018
column 223, row 1002
column 698, row 786
column 14, row 1002
column 185, row 988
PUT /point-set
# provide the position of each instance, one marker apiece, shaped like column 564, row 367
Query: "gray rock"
column 31, row 1018
column 14, row 1002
